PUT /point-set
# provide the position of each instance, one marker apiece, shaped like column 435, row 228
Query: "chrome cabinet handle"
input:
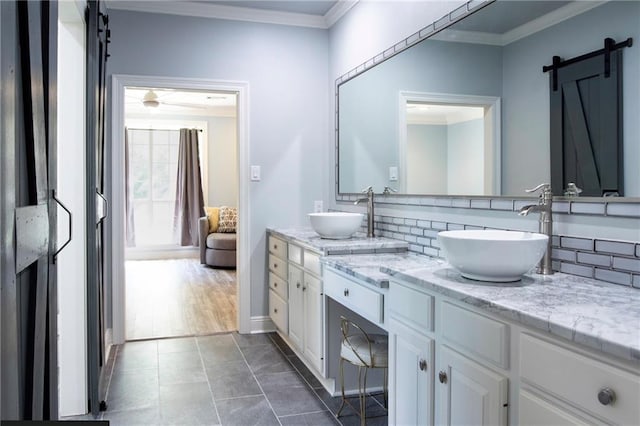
column 423, row 365
column 275, row 310
column 275, row 265
column 346, row 292
column 297, row 285
column 275, row 247
column 275, row 284
column 442, row 376
column 606, row 396
column 304, row 288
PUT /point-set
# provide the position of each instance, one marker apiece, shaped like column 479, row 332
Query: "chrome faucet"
column 546, row 223
column 369, row 191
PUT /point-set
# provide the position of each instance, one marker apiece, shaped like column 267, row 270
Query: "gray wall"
column 286, row 68
column 427, row 159
column 465, row 154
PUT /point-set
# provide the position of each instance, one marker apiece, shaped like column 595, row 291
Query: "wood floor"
column 178, row 297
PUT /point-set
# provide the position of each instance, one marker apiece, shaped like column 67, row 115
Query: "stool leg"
column 385, row 388
column 363, row 395
column 341, row 386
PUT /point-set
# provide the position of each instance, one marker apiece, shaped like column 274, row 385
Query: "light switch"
column 393, row 173
column 255, row 173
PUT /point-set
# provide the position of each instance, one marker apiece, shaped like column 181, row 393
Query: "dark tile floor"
column 227, row 379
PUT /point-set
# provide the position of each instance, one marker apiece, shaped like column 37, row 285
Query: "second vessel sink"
column 492, row 255
column 336, row 225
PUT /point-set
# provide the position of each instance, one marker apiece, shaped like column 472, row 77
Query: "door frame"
column 119, row 82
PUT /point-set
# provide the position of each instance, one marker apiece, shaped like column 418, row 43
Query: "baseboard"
column 108, row 342
column 262, row 324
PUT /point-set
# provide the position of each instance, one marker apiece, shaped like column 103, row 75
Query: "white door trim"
column 119, row 81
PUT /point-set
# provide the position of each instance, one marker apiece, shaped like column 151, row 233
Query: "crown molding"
column 219, row 11
column 525, row 30
column 338, row 11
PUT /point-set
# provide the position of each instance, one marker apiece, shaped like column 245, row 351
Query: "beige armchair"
column 217, row 249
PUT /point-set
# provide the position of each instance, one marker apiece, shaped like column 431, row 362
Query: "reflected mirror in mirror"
column 497, row 52
column 449, row 147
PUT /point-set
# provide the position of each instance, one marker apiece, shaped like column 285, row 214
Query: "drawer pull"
column 346, row 292
column 304, row 288
column 275, row 247
column 606, row 396
column 275, row 284
column 275, row 265
column 423, row 365
column 275, row 310
column 442, row 376
column 298, row 285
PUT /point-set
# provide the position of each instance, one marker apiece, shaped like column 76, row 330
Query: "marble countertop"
column 599, row 315
column 596, row 314
column 358, row 244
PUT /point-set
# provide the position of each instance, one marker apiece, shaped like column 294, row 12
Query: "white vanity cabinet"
column 440, row 362
column 481, row 369
column 306, row 307
column 278, row 293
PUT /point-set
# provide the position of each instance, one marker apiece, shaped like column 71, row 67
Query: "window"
column 153, row 168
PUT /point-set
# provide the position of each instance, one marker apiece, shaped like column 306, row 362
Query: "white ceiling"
column 313, row 13
column 181, row 102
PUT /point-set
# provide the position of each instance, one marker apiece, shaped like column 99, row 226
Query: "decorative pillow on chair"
column 228, row 219
column 213, row 214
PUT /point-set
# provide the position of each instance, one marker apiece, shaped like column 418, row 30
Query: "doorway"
column 188, row 263
column 169, row 292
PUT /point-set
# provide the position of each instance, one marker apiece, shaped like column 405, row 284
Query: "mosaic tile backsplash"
column 616, row 262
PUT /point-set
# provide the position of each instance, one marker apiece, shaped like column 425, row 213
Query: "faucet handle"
column 368, row 190
column 388, row 190
column 545, row 187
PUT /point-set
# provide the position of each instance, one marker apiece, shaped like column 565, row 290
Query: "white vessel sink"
column 491, row 255
column 336, row 225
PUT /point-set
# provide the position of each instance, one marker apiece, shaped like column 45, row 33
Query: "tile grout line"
column 204, row 369
column 256, row 379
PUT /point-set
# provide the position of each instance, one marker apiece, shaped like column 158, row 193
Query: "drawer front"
column 295, row 254
column 413, row 307
column 312, row 262
column 476, row 334
column 278, row 311
column 534, row 411
column 363, row 301
column 578, row 379
column 278, row 285
column 278, row 266
column 277, row 247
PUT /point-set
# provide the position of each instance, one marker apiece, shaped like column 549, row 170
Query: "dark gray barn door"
column 97, row 207
column 586, row 128
column 29, row 381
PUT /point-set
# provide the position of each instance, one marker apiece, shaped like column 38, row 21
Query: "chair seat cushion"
column 221, row 241
column 358, row 343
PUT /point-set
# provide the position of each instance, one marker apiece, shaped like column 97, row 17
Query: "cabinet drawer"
column 413, row 307
column 278, row 311
column 476, row 334
column 278, row 285
column 295, row 254
column 534, row 411
column 578, row 379
column 278, row 266
column 358, row 298
column 312, row 262
column 277, row 247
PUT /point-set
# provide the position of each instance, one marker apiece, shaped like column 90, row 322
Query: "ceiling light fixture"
column 150, row 99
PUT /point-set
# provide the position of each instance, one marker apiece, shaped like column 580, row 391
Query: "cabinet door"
column 296, row 307
column 313, row 317
column 410, row 376
column 470, row 394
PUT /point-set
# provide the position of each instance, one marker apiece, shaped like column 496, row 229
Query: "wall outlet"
column 317, row 206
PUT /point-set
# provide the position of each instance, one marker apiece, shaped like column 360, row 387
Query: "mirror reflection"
column 494, row 57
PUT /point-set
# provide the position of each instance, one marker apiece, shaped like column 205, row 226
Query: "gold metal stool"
column 365, row 351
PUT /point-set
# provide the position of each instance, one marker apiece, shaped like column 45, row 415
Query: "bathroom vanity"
column 557, row 349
